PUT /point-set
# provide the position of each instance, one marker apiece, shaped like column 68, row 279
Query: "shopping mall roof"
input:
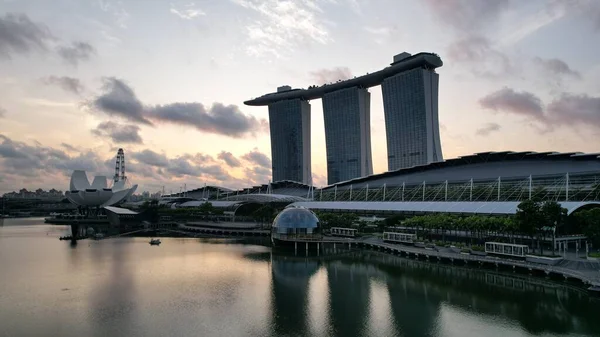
column 458, row 207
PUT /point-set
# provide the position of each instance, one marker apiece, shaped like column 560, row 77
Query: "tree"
column 554, row 216
column 591, row 224
column 529, row 218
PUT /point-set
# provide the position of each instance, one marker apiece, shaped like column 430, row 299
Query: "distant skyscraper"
column 410, row 104
column 347, row 114
column 290, row 140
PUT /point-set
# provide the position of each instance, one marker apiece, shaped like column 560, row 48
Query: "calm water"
column 188, row 287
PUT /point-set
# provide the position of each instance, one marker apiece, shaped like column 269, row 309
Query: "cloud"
column 66, row 83
column 2, row 112
column 325, row 76
column 571, row 109
column 35, row 166
column 258, row 158
column 188, row 13
column 152, row 158
column 557, row 67
column 467, row 15
column 487, row 129
column 119, row 133
column 283, row 26
column 221, row 119
column 20, row 159
column 520, row 103
column 481, row 58
column 588, row 10
column 76, row 52
column 20, row 35
column 69, row 147
column 381, row 35
column 229, row 159
column 118, row 99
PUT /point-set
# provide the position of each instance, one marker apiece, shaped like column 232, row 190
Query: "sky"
column 166, row 81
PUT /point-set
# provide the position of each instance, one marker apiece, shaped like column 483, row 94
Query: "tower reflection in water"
column 422, row 297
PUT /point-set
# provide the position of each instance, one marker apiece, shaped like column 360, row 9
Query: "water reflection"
column 189, row 287
column 290, row 280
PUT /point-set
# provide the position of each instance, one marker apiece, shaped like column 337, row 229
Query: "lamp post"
column 553, row 238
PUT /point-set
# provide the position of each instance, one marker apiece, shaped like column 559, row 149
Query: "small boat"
column 155, row 242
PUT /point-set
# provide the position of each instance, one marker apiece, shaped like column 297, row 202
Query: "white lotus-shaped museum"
column 81, row 193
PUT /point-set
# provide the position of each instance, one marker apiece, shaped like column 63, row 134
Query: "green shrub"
column 596, row 255
column 477, row 248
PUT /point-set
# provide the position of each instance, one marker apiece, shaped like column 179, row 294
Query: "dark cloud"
column 557, row 67
column 20, row 159
column 467, row 15
column 571, row 109
column 76, row 52
column 487, row 129
column 219, row 119
column 66, row 83
column 481, row 58
column 119, row 99
column 520, row 103
column 324, row 76
column 152, row 158
column 119, row 133
column 258, row 158
column 33, row 166
column 69, row 147
column 229, row 159
column 18, row 34
column 2, row 112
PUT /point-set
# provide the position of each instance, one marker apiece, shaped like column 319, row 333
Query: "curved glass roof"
column 473, row 207
column 296, row 218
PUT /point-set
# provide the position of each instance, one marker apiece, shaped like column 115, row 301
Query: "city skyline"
column 82, row 79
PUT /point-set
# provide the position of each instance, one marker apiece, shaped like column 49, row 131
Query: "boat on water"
column 155, row 242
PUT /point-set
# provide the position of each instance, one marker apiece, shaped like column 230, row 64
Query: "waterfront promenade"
column 585, row 271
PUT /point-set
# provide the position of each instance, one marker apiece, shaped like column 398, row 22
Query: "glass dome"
column 296, row 221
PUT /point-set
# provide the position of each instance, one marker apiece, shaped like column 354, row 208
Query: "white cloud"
column 283, row 25
column 190, row 12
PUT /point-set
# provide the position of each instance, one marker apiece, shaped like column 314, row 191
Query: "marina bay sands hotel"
column 410, row 104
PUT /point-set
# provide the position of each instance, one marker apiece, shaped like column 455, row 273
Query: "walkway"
column 586, row 271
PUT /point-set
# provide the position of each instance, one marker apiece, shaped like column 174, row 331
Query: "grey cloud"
column 219, row 119
column 557, row 67
column 467, row 15
column 257, row 175
column 481, row 57
column 229, row 159
column 66, row 83
column 76, row 52
column 588, row 10
column 2, row 112
column 572, row 109
column 119, row 133
column 152, row 158
column 487, row 129
column 258, row 158
column 520, row 103
column 324, row 76
column 69, row 147
column 20, row 159
column 18, row 34
column 119, row 99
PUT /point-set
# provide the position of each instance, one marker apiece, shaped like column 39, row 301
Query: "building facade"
column 290, row 140
column 410, row 103
column 347, row 116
